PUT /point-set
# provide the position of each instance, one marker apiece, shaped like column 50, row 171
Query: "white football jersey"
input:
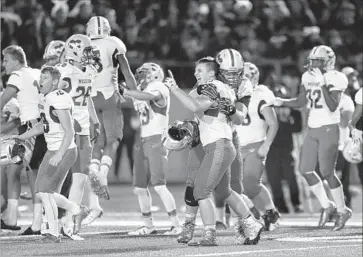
column 26, row 82
column 155, row 118
column 79, row 86
column 254, row 127
column 11, row 112
column 107, row 81
column 358, row 97
column 214, row 125
column 346, row 105
column 319, row 114
column 53, row 130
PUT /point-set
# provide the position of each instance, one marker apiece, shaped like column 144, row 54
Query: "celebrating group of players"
column 76, row 92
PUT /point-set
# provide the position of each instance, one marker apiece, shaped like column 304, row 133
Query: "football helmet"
column 180, row 135
column 54, row 51
column 98, row 27
column 14, row 151
column 352, row 151
column 148, row 72
column 322, row 57
column 252, row 73
column 231, row 67
column 79, row 48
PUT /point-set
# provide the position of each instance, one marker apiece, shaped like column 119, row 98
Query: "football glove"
column 209, row 90
column 226, row 107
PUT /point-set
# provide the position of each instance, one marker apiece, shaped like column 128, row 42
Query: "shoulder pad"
column 118, row 44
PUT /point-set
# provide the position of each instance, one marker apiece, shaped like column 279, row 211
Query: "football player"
column 53, row 55
column 9, row 124
column 356, row 125
column 57, row 126
column 261, row 126
column 77, row 76
column 107, row 101
column 322, row 87
column 153, row 108
column 23, row 85
column 213, row 104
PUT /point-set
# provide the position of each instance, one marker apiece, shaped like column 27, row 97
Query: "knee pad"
column 189, row 197
column 140, row 191
column 160, row 189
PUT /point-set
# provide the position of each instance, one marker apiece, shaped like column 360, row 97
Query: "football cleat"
column 271, row 219
column 9, row 227
column 143, row 231
column 68, row 233
column 49, row 238
column 78, row 218
column 30, row 232
column 325, row 214
column 209, row 238
column 250, row 231
column 174, row 231
column 92, row 216
column 342, row 218
column 187, row 233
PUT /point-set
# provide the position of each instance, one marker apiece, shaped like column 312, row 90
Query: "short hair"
column 17, row 52
column 211, row 62
column 53, row 71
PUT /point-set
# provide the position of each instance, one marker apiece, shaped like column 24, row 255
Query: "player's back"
column 109, row 47
column 53, row 130
column 253, row 128
column 319, row 113
column 155, row 118
column 26, row 81
column 214, row 125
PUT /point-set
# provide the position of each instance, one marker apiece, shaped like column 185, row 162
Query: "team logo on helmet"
column 180, row 135
column 79, row 48
column 322, row 57
column 352, row 151
column 252, row 73
column 15, row 151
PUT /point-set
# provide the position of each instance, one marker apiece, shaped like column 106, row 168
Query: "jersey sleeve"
column 119, row 45
column 244, row 92
column 266, row 96
column 336, row 80
column 14, row 81
column 60, row 100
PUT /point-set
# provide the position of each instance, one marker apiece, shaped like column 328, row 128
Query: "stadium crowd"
column 179, row 32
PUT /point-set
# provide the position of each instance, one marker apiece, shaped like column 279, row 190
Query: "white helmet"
column 98, row 27
column 352, row 151
column 148, row 72
column 14, row 151
column 180, row 135
column 231, row 65
column 54, row 50
column 252, row 73
column 79, row 48
column 322, row 57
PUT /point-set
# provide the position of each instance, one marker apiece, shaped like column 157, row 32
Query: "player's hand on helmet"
column 209, row 90
column 316, row 72
column 55, row 159
column 170, row 81
column 357, row 135
column 225, row 106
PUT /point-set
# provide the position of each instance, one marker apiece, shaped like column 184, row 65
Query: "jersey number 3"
column 314, row 97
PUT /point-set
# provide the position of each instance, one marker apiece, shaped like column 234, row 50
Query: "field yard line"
column 271, row 250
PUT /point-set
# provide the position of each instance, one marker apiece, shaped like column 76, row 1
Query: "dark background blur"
column 274, row 34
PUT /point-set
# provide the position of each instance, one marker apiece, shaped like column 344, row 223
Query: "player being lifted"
column 57, row 126
column 77, row 76
column 107, row 101
column 321, row 90
column 256, row 135
column 153, row 107
column 214, row 104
